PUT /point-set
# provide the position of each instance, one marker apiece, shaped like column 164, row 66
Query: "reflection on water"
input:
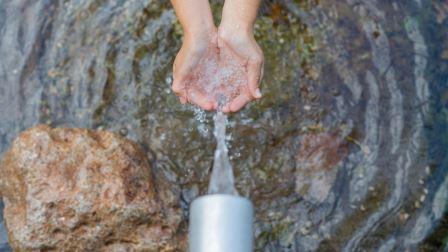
column 365, row 77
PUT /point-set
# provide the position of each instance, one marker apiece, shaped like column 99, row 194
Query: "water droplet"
column 168, row 80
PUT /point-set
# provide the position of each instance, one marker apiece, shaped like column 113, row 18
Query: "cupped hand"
column 238, row 45
column 197, row 51
column 213, row 66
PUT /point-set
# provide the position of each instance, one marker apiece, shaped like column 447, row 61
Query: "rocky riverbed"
column 365, row 77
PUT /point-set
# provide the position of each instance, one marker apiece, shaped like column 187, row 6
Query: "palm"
column 217, row 75
column 209, row 70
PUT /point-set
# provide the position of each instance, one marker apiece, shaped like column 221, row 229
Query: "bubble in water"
column 200, row 115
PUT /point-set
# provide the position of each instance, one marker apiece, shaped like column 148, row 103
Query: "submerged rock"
column 82, row 190
column 318, row 155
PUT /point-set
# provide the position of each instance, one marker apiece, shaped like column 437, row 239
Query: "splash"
column 221, row 180
column 219, row 72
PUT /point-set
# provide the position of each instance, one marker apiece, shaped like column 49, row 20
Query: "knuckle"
column 176, row 88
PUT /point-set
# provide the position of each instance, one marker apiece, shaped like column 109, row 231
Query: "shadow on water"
column 346, row 151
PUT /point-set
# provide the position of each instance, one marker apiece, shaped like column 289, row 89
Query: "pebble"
column 123, row 131
column 427, row 170
column 417, row 204
column 363, row 208
column 304, row 231
column 422, row 198
column 403, row 216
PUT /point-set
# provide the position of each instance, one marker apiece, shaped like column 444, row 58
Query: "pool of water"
column 347, row 151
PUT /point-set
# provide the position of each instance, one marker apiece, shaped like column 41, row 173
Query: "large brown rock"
column 83, row 190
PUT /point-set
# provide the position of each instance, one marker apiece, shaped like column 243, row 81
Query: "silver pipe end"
column 221, row 223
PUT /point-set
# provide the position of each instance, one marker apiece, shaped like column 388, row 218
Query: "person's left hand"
column 238, row 45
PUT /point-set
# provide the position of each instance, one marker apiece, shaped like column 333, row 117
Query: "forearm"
column 194, row 15
column 240, row 14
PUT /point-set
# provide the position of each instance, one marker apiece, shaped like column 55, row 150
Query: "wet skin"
column 218, row 62
column 215, row 64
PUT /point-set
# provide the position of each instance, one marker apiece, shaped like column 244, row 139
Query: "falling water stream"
column 221, row 180
column 346, row 151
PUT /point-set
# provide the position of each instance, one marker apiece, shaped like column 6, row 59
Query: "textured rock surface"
column 318, row 155
column 83, row 190
column 373, row 70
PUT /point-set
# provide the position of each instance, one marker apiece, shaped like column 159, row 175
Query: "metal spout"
column 221, row 223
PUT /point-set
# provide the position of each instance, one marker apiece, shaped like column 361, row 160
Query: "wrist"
column 235, row 32
column 199, row 27
column 236, row 27
column 239, row 16
column 198, row 41
column 199, row 34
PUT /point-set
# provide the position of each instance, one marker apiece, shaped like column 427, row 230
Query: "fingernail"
column 257, row 93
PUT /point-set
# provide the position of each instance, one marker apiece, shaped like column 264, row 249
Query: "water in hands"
column 219, row 72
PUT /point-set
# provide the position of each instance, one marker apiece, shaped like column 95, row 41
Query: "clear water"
column 367, row 77
column 221, row 180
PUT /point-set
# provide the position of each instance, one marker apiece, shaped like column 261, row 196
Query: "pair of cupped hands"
column 218, row 68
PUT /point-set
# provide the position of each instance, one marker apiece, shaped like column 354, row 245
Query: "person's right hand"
column 239, row 45
column 197, row 50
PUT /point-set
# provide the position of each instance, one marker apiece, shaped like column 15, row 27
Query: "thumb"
column 180, row 72
column 254, row 71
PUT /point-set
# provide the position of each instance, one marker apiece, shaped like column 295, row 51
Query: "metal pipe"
column 221, row 223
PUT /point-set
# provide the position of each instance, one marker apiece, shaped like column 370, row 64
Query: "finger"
column 198, row 98
column 226, row 108
column 262, row 72
column 254, row 70
column 182, row 69
column 183, row 100
column 239, row 102
column 178, row 87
